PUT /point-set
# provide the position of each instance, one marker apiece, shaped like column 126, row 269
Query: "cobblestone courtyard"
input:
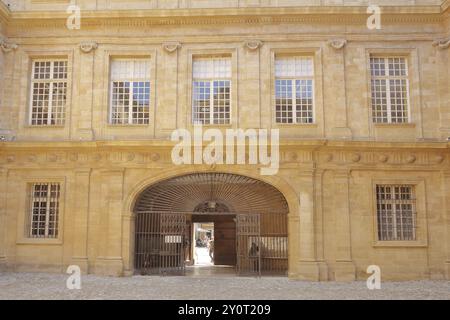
column 53, row 286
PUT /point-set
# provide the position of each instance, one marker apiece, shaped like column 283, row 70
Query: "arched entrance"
column 249, row 217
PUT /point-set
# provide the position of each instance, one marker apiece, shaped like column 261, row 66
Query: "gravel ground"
column 53, row 286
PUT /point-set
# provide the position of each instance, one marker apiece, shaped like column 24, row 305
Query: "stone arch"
column 292, row 198
column 185, row 193
column 277, row 182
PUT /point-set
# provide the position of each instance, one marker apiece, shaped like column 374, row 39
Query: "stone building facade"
column 364, row 120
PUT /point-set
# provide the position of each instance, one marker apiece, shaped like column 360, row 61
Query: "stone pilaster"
column 7, row 57
column 3, row 186
column 2, row 85
column 128, row 243
column 167, row 79
column 85, row 97
column 81, row 218
column 110, row 260
column 249, row 81
column 446, row 194
column 344, row 267
column 308, row 268
column 336, row 66
column 318, row 223
column 443, row 59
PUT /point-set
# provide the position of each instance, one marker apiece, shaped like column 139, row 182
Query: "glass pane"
column 201, row 102
column 294, row 67
column 283, row 101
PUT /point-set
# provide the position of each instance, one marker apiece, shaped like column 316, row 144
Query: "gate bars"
column 248, row 244
column 160, row 242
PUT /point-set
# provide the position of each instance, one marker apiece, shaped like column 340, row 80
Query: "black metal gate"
column 248, row 244
column 160, row 241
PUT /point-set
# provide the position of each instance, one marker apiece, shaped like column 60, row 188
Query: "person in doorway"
column 205, row 241
column 254, row 256
column 211, row 249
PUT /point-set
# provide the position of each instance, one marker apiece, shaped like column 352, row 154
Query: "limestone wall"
column 328, row 169
column 329, row 189
column 342, row 76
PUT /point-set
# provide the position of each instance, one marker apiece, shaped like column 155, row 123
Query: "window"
column 211, row 97
column 389, row 86
column 48, row 92
column 294, row 93
column 130, row 91
column 396, row 212
column 44, row 210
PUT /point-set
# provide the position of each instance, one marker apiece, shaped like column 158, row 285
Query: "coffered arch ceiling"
column 188, row 193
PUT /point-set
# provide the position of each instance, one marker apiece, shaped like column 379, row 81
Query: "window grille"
column 44, row 210
column 396, row 212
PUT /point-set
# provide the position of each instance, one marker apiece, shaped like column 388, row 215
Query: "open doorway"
column 204, row 244
column 213, row 244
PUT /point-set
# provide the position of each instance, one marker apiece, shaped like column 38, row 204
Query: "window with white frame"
column 396, row 212
column 44, row 210
column 130, row 91
column 294, row 89
column 390, row 89
column 211, row 90
column 48, row 92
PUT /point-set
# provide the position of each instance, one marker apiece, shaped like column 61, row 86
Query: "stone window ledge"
column 394, row 125
column 295, row 125
column 400, row 244
column 212, row 126
column 44, row 127
column 46, row 242
column 128, row 126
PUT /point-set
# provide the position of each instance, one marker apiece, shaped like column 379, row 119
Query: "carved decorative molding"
column 52, row 157
column 171, row 47
column 341, row 16
column 328, row 157
column 253, row 45
column 7, row 46
column 337, row 43
column 439, row 158
column 88, row 46
column 96, row 157
column 292, row 156
column 356, row 157
column 155, row 157
column 411, row 159
column 383, row 158
column 442, row 43
column 289, row 158
column 73, row 157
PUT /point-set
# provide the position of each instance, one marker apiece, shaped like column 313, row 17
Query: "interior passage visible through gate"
column 249, row 217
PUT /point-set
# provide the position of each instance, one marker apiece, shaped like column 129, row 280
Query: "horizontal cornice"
column 213, row 12
column 231, row 38
column 318, row 14
column 308, row 143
